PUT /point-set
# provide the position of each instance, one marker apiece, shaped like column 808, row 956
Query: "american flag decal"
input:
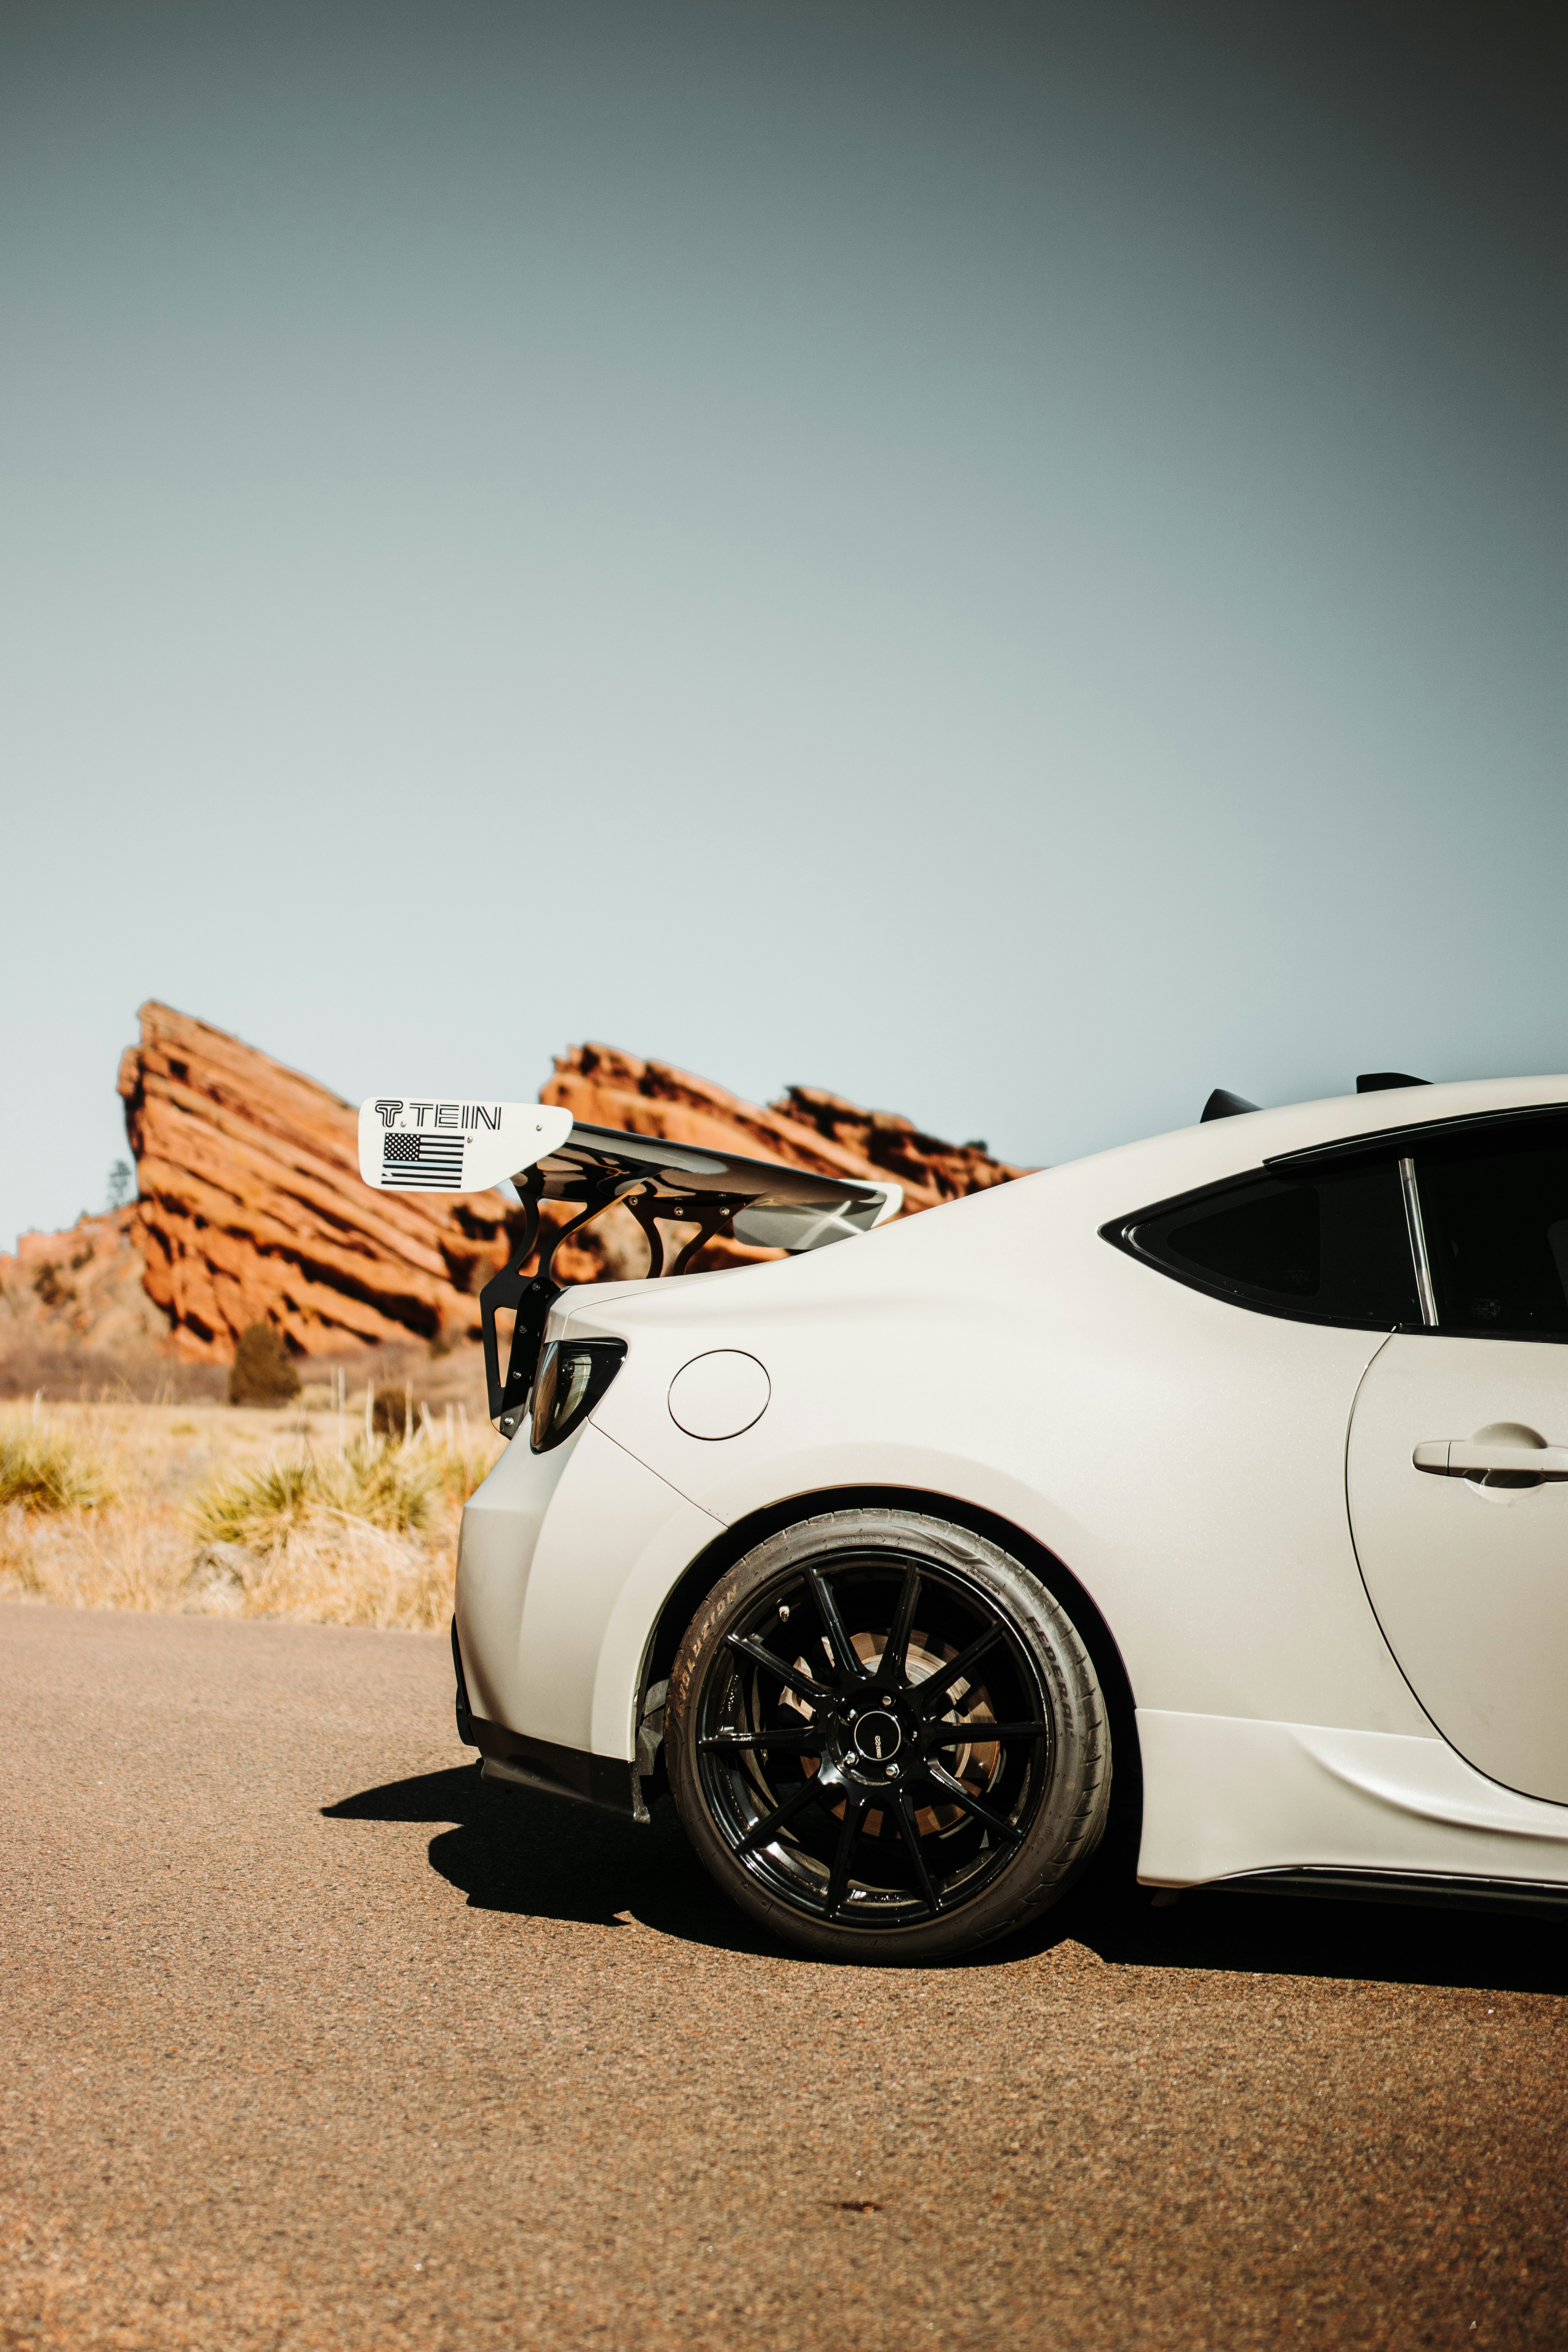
column 425, row 1163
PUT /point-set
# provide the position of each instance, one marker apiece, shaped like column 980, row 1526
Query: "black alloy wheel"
column 886, row 1739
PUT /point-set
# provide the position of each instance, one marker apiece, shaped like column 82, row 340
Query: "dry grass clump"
column 334, row 1540
column 397, row 1487
column 146, row 1511
column 124, row 1556
column 48, row 1466
column 80, row 1521
column 349, row 1574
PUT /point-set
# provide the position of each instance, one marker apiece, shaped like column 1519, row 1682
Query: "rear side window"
column 1330, row 1247
column 1495, row 1207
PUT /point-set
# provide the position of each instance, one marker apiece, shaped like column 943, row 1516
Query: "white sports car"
column 1218, row 1483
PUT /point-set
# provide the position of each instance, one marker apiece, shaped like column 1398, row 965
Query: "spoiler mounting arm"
column 532, row 1299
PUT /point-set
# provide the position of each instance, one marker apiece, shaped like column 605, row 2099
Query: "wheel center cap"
column 878, row 1737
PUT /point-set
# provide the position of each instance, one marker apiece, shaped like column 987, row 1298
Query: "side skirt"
column 1425, row 1888
column 1227, row 1798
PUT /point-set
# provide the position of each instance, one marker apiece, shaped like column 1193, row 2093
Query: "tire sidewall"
column 1070, row 1817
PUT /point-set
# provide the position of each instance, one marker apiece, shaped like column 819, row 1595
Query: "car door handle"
column 1461, row 1457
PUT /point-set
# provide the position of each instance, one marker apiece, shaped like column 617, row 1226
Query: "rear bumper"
column 524, row 1763
column 527, row 1763
column 465, row 1713
column 565, row 1560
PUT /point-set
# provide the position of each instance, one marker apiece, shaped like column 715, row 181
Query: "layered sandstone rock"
column 252, row 1209
column 808, row 1128
column 81, row 1287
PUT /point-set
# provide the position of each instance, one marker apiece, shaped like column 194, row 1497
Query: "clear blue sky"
column 1005, row 560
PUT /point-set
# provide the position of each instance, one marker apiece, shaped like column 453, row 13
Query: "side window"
column 1495, row 1209
column 1330, row 1247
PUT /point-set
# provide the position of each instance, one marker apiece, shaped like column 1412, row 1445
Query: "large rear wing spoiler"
column 420, row 1145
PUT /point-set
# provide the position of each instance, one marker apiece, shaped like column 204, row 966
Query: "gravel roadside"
column 312, row 2040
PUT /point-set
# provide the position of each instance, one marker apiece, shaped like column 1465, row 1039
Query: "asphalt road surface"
column 312, row 2040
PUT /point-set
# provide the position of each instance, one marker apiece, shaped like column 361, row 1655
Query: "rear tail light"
column 573, row 1376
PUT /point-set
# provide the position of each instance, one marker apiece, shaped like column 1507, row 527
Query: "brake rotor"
column 981, row 1757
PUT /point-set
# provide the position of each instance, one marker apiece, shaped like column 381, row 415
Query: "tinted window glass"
column 1496, row 1213
column 1330, row 1245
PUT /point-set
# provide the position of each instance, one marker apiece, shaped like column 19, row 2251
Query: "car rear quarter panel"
column 1183, row 1458
column 558, row 1550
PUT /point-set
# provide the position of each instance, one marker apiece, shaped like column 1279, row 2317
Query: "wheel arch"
column 717, row 1557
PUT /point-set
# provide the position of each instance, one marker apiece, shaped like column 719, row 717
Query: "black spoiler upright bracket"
column 532, row 1299
column 779, row 1207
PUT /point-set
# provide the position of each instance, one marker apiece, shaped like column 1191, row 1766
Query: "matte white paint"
column 719, row 1394
column 495, row 1557
column 1184, row 1458
column 1470, row 1582
column 584, row 1532
column 1222, row 1796
column 449, row 1145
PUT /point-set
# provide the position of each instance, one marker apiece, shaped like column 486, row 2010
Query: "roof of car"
column 1161, row 1167
column 1076, row 1198
column 1343, row 1118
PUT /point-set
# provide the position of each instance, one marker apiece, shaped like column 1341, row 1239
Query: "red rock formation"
column 929, row 1170
column 807, row 1128
column 84, row 1285
column 252, row 1209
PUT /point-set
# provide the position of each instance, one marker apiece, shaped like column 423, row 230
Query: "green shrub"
column 51, row 1286
column 263, row 1370
column 392, row 1411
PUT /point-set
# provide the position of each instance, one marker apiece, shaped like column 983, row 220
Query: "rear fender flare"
column 716, row 1558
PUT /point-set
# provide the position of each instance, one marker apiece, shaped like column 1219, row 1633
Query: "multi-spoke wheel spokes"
column 877, row 1740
